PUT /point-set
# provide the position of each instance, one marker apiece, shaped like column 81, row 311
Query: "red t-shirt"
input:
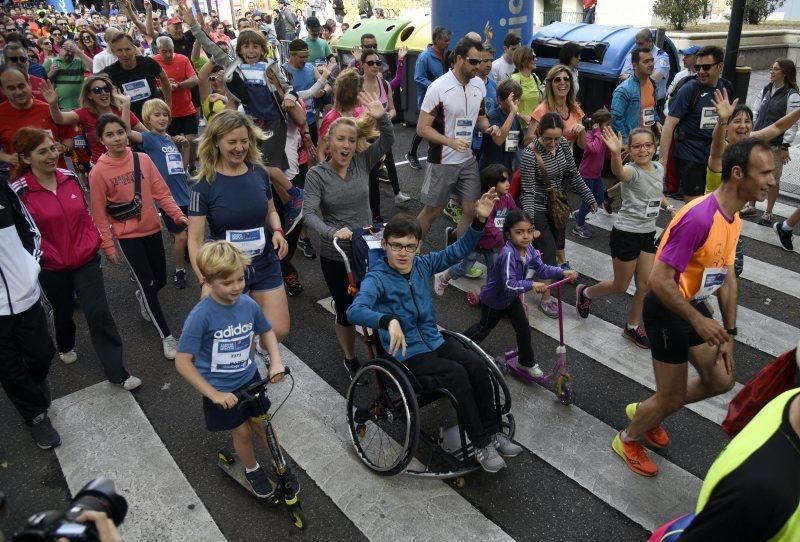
column 36, row 84
column 88, row 121
column 179, row 70
column 36, row 116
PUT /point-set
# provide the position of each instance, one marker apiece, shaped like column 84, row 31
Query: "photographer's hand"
column 106, row 529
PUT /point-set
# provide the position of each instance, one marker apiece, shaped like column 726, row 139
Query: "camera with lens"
column 99, row 495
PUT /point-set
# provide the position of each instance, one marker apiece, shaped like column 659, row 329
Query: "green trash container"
column 387, row 33
column 416, row 36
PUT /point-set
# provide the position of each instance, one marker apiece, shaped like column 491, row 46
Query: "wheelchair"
column 385, row 400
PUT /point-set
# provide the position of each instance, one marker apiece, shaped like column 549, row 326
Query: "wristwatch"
column 732, row 331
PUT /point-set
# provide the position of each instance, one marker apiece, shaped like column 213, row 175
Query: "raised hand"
column 402, row 52
column 512, row 102
column 722, row 105
column 372, row 104
column 119, row 98
column 612, row 140
column 48, row 93
column 488, row 31
column 484, row 206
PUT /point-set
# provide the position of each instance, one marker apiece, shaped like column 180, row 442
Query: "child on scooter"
column 215, row 353
column 491, row 240
column 507, row 283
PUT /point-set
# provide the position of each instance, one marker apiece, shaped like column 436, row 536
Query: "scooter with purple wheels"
column 509, row 362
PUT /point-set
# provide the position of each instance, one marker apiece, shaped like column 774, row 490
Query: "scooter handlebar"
column 247, row 392
column 561, row 282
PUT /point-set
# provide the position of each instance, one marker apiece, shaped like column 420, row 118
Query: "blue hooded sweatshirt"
column 386, row 293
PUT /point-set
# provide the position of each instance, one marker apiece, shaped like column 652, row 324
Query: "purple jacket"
column 492, row 236
column 594, row 155
column 507, row 277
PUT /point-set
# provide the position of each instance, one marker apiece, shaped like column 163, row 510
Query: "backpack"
column 728, row 86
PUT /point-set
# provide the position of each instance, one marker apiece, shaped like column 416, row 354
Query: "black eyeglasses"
column 397, row 247
column 17, row 59
column 101, row 90
column 373, row 62
column 706, row 67
column 473, row 61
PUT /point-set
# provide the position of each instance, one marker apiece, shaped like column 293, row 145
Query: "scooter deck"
column 518, row 373
column 235, row 470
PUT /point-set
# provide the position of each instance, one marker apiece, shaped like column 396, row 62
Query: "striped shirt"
column 560, row 168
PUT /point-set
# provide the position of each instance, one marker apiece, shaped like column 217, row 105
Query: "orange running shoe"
column 657, row 437
column 634, row 455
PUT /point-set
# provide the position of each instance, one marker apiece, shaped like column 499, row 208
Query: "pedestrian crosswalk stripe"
column 579, row 446
column 105, row 433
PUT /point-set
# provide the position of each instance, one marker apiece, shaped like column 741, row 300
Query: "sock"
column 248, row 471
column 785, row 226
column 180, row 269
column 632, row 327
column 625, row 438
column 585, row 293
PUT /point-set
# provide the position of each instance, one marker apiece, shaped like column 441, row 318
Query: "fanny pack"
column 133, row 208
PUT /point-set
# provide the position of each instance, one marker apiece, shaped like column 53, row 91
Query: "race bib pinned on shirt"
column 79, row 141
column 464, row 127
column 254, row 74
column 500, row 218
column 713, row 278
column 512, row 141
column 137, row 90
column 652, row 208
column 708, row 118
column 174, row 163
column 249, row 242
column 231, row 355
column 648, row 116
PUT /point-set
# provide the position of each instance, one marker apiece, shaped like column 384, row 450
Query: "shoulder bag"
column 558, row 206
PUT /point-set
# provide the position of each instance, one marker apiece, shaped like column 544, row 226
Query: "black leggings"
column 145, row 257
column 415, row 145
column 551, row 238
column 519, row 320
column 286, row 263
column 464, row 374
column 375, row 185
column 335, row 276
column 87, row 281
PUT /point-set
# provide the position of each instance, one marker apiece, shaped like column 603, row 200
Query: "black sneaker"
column 44, row 434
column 306, row 248
column 449, row 235
column 413, row 161
column 262, row 486
column 179, row 279
column 785, row 237
column 582, row 303
column 637, row 336
column 293, row 286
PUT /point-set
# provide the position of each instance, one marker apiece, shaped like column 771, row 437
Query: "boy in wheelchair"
column 395, row 299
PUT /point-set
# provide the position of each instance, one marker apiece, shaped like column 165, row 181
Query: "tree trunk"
column 752, row 16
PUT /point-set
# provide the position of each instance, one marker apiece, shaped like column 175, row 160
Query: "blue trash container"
column 603, row 53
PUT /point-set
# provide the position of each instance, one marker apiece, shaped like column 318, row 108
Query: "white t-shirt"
column 102, row 60
column 455, row 108
column 501, row 69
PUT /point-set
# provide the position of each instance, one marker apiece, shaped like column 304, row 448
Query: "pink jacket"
column 594, row 155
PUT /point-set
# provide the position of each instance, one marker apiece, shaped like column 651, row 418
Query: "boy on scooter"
column 395, row 299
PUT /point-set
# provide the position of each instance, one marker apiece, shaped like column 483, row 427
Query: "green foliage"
column 679, row 13
column 757, row 11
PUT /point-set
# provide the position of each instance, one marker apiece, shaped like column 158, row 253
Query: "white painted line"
column 404, row 162
column 780, row 209
column 771, row 276
column 755, row 329
column 579, row 446
column 105, row 433
column 312, row 428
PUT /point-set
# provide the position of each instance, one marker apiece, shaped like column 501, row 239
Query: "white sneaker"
column 748, row 210
column 535, row 371
column 142, row 307
column 439, row 284
column 131, row 383
column 401, row 198
column 68, row 357
column 170, row 347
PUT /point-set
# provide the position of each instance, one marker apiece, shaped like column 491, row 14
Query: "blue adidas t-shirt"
column 220, row 337
column 236, row 210
column 169, row 161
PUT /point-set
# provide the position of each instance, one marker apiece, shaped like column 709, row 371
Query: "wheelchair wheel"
column 383, row 417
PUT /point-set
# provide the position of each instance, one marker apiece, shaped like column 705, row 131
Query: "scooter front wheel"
column 564, row 390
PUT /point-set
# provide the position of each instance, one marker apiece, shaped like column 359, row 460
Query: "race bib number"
column 512, row 141
column 250, row 242
column 648, row 116
column 464, row 127
column 708, row 118
column 231, row 355
column 138, row 90
column 500, row 218
column 254, row 74
column 175, row 163
column 713, row 277
column 79, row 141
column 373, row 240
column 652, row 208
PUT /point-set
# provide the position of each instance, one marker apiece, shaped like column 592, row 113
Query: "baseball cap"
column 174, row 20
column 691, row 50
column 312, row 23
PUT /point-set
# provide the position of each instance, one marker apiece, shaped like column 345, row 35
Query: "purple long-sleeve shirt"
column 507, row 277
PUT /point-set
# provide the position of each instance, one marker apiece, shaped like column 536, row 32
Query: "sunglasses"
column 101, row 90
column 373, row 62
column 562, row 79
column 370, row 46
column 473, row 61
column 213, row 78
column 706, row 67
column 17, row 59
column 56, row 33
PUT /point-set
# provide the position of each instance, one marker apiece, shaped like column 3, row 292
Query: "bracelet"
column 732, row 331
column 278, row 230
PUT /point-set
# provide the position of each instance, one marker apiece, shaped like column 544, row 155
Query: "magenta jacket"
column 594, row 155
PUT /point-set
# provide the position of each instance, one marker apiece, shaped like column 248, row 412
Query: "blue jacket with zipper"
column 386, row 294
column 626, row 106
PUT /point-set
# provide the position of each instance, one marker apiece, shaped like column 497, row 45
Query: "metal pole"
column 734, row 37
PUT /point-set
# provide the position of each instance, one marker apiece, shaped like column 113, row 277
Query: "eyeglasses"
column 640, row 146
column 373, row 62
column 213, row 78
column 370, row 46
column 17, row 59
column 706, row 67
column 101, row 90
column 562, row 79
column 473, row 61
column 397, row 247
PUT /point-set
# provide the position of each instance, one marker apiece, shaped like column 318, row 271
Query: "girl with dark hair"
column 546, row 165
column 507, row 283
column 70, row 262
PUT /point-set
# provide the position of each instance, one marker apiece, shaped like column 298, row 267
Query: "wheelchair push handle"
column 248, row 392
